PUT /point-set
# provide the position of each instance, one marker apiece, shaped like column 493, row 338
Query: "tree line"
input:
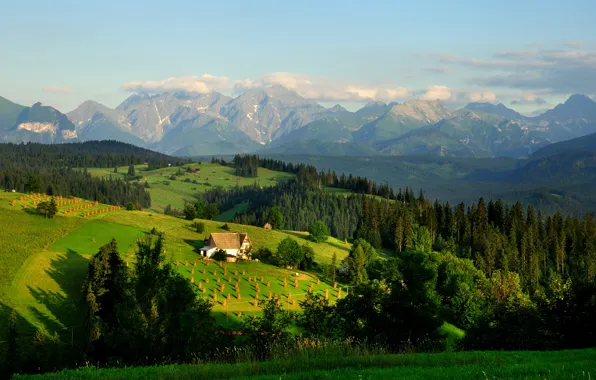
column 61, row 169
column 89, row 154
column 246, row 165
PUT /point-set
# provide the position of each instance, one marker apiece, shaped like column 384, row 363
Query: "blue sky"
column 525, row 54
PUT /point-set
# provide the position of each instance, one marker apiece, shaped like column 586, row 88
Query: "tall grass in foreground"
column 578, row 364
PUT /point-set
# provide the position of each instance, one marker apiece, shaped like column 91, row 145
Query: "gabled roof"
column 229, row 240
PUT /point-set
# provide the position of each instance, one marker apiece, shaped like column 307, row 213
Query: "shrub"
column 225, row 227
column 289, row 253
column 262, row 254
column 198, row 226
column 172, row 178
column 318, row 232
column 220, row 255
column 130, row 206
column 190, row 212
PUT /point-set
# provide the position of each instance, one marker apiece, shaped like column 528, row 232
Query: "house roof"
column 229, row 240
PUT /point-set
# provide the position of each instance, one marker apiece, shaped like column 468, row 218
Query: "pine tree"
column 92, row 322
column 357, row 267
column 52, row 209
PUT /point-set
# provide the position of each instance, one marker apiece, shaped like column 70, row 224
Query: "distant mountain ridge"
column 38, row 123
column 277, row 119
column 496, row 109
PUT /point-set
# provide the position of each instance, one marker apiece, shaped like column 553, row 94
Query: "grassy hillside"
column 175, row 192
column 572, row 364
column 45, row 261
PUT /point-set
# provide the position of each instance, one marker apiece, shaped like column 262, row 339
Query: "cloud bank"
column 556, row 71
column 316, row 88
column 526, row 77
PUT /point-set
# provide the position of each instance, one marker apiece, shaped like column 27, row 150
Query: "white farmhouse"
column 234, row 243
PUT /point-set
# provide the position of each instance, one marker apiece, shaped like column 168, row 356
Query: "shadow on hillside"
column 31, row 210
column 342, row 246
column 68, row 270
column 196, row 245
column 333, row 243
column 297, row 234
column 24, row 327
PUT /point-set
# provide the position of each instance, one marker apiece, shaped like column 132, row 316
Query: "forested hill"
column 584, row 143
column 102, row 154
column 55, row 170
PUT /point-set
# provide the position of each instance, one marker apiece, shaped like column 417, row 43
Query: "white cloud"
column 482, row 96
column 530, row 98
column 325, row 89
column 57, row 90
column 437, row 92
column 316, row 88
column 458, row 96
column 196, row 83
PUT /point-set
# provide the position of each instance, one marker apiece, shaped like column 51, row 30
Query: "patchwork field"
column 176, row 192
column 45, row 262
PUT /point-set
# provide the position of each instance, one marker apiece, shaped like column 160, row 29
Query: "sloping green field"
column 44, row 263
column 176, row 192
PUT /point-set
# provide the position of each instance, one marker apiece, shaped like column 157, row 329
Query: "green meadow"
column 176, row 192
column 569, row 364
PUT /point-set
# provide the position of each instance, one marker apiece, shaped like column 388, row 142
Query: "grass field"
column 44, row 262
column 165, row 191
column 571, row 364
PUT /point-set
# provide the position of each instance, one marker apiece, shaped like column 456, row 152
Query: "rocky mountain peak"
column 429, row 111
column 576, row 107
column 495, row 109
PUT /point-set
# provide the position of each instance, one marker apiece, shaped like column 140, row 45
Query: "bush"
column 190, row 212
column 308, row 258
column 130, row 206
column 172, row 178
column 225, row 227
column 289, row 253
column 318, row 232
column 167, row 183
column 187, row 180
column 220, row 255
column 199, row 227
column 211, row 211
column 262, row 254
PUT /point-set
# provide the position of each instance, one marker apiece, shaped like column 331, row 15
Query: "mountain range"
column 277, row 120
